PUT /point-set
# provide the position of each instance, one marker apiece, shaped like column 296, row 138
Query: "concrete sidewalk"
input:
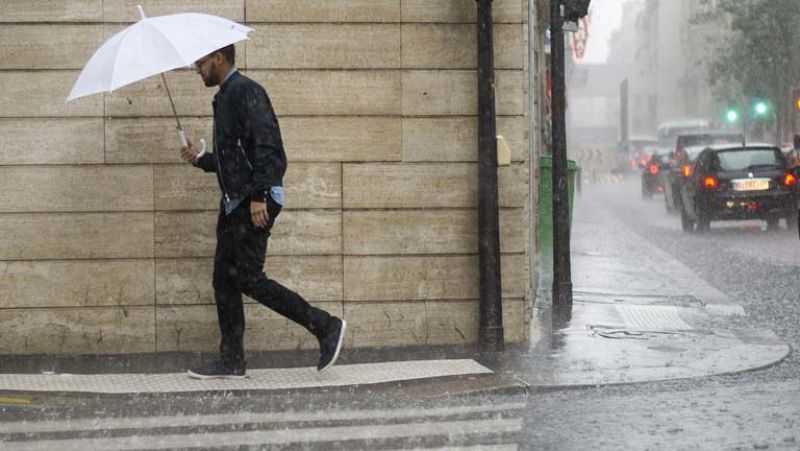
column 639, row 315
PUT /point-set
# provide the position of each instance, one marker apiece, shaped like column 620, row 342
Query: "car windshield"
column 748, row 159
column 693, row 152
column 667, row 136
column 698, row 140
column 660, row 158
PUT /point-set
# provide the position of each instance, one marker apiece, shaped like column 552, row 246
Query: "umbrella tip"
column 141, row 12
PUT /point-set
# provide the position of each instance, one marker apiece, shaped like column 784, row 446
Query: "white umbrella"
column 155, row 45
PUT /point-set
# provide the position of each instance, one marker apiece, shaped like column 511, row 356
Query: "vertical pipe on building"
column 490, row 336
column 532, row 150
column 562, row 274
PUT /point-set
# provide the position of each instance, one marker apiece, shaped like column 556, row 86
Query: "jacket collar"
column 232, row 75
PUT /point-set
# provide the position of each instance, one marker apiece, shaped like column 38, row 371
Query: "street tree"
column 759, row 59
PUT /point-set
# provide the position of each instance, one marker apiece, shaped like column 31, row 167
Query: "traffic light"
column 732, row 116
column 574, row 10
column 761, row 108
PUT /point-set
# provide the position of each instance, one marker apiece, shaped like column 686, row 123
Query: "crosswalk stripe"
column 93, row 424
column 452, row 430
column 508, row 447
column 14, row 400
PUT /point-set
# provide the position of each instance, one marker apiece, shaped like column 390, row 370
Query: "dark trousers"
column 238, row 269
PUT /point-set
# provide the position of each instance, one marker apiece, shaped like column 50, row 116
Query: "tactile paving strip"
column 259, row 379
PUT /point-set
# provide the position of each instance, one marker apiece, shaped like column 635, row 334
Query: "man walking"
column 250, row 162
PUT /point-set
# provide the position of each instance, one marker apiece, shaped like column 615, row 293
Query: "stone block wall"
column 107, row 238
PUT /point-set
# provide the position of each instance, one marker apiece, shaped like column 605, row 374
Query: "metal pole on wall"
column 533, row 66
column 562, row 275
column 490, row 331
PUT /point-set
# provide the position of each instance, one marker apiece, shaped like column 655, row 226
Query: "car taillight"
column 653, row 169
column 790, row 179
column 686, row 170
column 710, row 182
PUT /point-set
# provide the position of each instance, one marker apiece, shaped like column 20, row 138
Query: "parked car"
column 680, row 168
column 651, row 173
column 734, row 182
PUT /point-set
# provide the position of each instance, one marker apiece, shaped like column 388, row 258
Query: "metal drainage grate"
column 652, row 318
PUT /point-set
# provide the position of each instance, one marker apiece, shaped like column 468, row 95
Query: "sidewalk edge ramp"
column 259, row 379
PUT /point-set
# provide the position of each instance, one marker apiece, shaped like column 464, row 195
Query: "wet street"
column 757, row 409
column 753, row 410
column 757, row 269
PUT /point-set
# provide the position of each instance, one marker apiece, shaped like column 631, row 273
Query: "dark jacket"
column 248, row 152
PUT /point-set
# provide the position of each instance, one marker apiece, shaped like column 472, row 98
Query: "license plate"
column 751, row 184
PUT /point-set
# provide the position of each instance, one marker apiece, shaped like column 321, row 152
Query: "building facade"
column 107, row 238
column 675, row 41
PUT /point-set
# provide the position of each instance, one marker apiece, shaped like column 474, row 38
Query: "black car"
column 688, row 146
column 651, row 173
column 707, row 137
column 735, row 181
column 674, row 178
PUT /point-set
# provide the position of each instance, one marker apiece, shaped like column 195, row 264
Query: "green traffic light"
column 732, row 116
column 761, row 108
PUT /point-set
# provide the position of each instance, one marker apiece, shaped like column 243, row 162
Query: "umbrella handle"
column 184, row 142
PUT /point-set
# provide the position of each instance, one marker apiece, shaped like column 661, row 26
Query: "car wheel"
column 703, row 223
column 670, row 208
column 791, row 220
column 772, row 223
column 646, row 194
column 686, row 224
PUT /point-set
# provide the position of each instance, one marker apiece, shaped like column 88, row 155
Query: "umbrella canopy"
column 152, row 46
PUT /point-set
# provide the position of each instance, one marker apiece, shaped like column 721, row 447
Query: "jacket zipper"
column 219, row 154
column 239, row 145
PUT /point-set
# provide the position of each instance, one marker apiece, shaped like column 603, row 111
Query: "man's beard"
column 211, row 80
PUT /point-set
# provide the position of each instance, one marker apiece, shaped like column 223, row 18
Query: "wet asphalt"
column 757, row 269
column 752, row 410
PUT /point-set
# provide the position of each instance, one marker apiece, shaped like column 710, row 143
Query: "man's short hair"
column 229, row 52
